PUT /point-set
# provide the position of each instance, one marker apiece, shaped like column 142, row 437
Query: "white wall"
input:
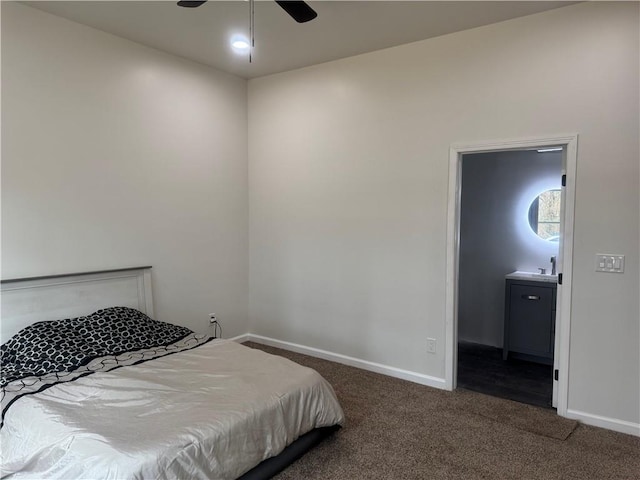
column 115, row 155
column 348, row 188
column 495, row 235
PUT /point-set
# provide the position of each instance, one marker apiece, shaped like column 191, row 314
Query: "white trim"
column 241, row 338
column 351, row 361
column 451, row 282
column 563, row 310
column 621, row 426
column 563, row 318
column 515, row 144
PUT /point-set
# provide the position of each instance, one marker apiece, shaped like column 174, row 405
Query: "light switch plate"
column 609, row 263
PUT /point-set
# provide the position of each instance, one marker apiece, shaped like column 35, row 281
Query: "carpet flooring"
column 396, row 429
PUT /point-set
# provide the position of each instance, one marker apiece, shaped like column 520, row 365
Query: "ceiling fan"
column 300, row 11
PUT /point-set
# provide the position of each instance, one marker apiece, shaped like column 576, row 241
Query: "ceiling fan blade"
column 299, row 11
column 188, row 4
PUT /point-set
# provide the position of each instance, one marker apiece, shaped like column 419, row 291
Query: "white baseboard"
column 614, row 424
column 346, row 360
column 240, row 338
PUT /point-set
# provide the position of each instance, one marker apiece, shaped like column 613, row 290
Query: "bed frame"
column 53, row 297
column 28, row 300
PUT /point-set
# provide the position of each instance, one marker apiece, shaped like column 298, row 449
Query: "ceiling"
column 342, row 28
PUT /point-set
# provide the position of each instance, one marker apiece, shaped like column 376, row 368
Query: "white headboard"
column 28, row 300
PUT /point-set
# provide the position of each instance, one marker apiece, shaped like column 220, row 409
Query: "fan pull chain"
column 251, row 29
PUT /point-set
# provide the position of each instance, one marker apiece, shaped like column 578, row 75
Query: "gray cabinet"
column 529, row 324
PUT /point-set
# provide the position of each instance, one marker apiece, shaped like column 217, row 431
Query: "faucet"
column 553, row 265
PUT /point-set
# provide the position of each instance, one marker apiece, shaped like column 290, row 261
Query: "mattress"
column 210, row 411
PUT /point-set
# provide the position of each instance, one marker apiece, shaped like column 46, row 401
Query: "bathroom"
column 509, row 221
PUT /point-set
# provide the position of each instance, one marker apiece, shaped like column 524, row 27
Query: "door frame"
column 565, row 251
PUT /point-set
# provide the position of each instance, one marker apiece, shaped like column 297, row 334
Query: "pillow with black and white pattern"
column 62, row 345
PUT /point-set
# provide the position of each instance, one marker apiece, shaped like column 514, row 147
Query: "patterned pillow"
column 61, row 345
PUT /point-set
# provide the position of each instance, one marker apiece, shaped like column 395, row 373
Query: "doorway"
column 509, row 222
column 460, row 281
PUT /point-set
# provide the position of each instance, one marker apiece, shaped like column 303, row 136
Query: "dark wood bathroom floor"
column 481, row 369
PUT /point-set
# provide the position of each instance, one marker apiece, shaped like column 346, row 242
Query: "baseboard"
column 351, row 361
column 614, row 424
column 240, row 338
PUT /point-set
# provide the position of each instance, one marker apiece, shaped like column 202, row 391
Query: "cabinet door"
column 530, row 326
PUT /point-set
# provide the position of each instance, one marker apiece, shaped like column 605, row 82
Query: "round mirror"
column 544, row 215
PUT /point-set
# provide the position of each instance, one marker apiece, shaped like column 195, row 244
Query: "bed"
column 113, row 393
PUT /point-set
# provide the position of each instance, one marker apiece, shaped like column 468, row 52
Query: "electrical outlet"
column 213, row 318
column 431, row 345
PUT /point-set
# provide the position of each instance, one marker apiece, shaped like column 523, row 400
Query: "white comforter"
column 212, row 412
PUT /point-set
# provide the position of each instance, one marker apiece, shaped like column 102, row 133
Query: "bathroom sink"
column 533, row 276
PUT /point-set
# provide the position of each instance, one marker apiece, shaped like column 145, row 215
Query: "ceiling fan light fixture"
column 299, row 10
column 240, row 45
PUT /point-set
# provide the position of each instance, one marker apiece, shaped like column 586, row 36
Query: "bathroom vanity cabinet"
column 530, row 317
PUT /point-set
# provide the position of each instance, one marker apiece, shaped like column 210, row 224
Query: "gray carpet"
column 401, row 430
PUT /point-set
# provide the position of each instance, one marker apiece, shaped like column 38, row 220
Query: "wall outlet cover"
column 609, row 263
